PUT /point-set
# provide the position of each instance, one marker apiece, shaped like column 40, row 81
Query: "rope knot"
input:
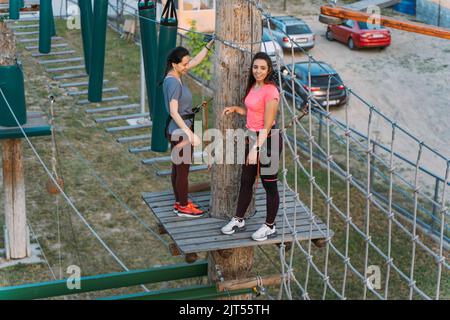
column 440, row 260
column 347, row 261
column 368, row 239
column 330, row 158
column 369, row 196
column 312, row 179
column 329, row 200
column 348, row 219
column 349, row 178
column 412, row 283
column 326, row 279
column 347, row 133
column 390, row 262
column 391, row 215
column 392, row 169
column 415, row 238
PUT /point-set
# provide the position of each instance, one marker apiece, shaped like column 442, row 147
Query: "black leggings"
column 180, row 173
column 248, row 177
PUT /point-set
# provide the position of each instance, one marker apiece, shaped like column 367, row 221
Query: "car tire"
column 329, row 35
column 351, row 44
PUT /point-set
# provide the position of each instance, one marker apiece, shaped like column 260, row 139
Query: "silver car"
column 272, row 48
column 287, row 28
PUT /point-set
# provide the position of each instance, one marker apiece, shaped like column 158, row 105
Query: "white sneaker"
column 264, row 232
column 233, row 225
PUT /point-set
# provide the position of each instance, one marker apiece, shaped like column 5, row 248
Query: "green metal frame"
column 97, row 56
column 45, row 26
column 14, row 9
column 86, row 16
column 198, row 292
column 105, row 281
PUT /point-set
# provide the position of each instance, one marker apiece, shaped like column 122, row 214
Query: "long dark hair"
column 251, row 79
column 175, row 56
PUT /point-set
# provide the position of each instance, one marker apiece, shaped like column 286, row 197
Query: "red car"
column 358, row 34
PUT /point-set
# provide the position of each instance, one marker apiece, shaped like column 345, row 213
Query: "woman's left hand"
column 210, row 44
column 252, row 156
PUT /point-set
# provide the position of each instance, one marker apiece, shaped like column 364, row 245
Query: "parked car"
column 287, row 28
column 272, row 48
column 320, row 75
column 358, row 34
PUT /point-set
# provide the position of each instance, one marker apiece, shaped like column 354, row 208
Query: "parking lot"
column 408, row 81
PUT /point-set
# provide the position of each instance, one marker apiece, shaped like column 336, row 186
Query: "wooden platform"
column 37, row 125
column 193, row 235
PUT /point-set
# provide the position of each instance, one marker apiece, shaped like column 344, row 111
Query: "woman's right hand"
column 194, row 139
column 230, row 110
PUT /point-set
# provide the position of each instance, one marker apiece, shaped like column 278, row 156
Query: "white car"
column 272, row 48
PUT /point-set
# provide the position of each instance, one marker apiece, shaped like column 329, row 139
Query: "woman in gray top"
column 178, row 101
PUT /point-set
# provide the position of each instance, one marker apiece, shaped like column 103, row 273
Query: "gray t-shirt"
column 174, row 90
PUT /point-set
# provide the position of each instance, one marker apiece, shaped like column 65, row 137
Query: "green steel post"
column 22, row 3
column 197, row 292
column 86, row 29
column 12, row 85
column 105, row 281
column 52, row 21
column 97, row 62
column 149, row 42
column 167, row 41
column 45, row 26
column 14, row 9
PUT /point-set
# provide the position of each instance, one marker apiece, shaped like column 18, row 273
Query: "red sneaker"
column 189, row 211
column 175, row 206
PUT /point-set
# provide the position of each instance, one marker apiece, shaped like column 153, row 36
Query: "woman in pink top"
column 261, row 107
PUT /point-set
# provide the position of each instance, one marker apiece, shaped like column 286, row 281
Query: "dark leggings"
column 180, row 173
column 269, row 182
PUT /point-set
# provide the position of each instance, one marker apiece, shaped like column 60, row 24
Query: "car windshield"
column 369, row 26
column 298, row 29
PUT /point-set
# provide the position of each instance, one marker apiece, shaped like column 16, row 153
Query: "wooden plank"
column 14, row 189
column 114, row 108
column 251, row 226
column 134, row 138
column 170, row 216
column 191, row 169
column 343, row 13
column 245, row 240
column 259, row 204
column 217, row 224
column 212, row 246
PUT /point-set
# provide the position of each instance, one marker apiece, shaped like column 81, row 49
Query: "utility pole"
column 237, row 21
column 16, row 233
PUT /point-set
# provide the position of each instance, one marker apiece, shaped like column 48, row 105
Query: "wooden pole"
column 239, row 22
column 248, row 283
column 342, row 13
column 17, row 238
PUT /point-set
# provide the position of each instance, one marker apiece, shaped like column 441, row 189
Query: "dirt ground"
column 408, row 82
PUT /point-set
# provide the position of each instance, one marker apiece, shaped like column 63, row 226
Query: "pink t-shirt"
column 255, row 102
